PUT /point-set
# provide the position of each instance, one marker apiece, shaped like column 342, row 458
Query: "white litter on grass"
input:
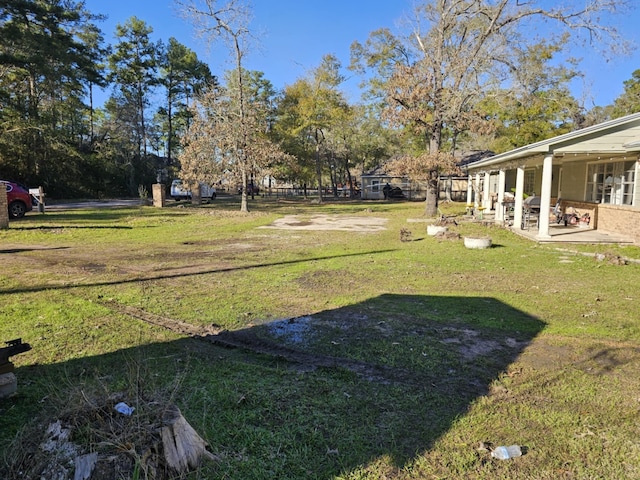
column 293, row 330
column 57, row 439
column 124, row 409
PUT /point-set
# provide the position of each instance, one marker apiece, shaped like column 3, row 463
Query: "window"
column 611, row 183
column 529, row 182
column 375, row 185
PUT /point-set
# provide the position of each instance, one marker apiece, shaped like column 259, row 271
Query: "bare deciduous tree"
column 228, row 20
column 217, row 133
column 455, row 52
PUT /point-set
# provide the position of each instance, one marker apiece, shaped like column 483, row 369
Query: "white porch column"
column 545, row 197
column 476, row 190
column 470, row 190
column 486, row 193
column 500, row 205
column 517, row 207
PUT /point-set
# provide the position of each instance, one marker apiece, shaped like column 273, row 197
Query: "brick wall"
column 620, row 219
column 582, row 208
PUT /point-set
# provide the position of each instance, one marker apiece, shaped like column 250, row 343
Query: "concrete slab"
column 574, row 234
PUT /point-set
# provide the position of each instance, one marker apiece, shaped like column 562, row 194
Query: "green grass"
column 521, row 343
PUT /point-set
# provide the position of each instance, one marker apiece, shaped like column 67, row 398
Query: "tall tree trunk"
column 333, row 175
column 33, row 160
column 91, row 115
column 244, row 206
column 243, row 202
column 143, row 133
column 196, row 195
column 319, row 173
column 431, row 202
column 169, row 127
column 132, row 174
column 318, row 166
column 349, row 177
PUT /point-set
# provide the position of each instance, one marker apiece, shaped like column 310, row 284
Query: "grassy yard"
column 362, row 356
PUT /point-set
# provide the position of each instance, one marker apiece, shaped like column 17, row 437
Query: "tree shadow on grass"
column 57, row 218
column 29, row 249
column 76, row 227
column 198, row 270
column 310, row 397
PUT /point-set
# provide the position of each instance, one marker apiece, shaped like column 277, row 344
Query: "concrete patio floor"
column 573, row 234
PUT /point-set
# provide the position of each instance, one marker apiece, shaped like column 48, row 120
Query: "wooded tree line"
column 52, row 59
column 460, row 76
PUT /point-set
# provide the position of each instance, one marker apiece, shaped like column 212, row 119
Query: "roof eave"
column 547, row 146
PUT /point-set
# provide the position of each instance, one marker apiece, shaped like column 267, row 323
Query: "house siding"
column 573, row 181
column 581, row 208
column 537, row 188
column 372, row 187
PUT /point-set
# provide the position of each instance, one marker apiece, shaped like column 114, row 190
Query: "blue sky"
column 295, row 34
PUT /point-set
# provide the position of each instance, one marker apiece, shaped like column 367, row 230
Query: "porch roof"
column 614, row 138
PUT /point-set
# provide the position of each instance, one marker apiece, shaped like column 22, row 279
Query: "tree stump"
column 183, row 447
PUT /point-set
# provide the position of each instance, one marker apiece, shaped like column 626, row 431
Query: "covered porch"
column 593, row 172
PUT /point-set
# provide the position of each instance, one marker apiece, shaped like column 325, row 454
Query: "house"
column 594, row 171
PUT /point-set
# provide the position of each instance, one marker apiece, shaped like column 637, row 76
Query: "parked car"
column 179, row 192
column 19, row 200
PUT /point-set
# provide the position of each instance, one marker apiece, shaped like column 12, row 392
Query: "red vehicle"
column 18, row 199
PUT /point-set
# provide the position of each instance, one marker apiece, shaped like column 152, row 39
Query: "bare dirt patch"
column 290, row 337
column 248, row 340
column 601, row 357
column 330, row 222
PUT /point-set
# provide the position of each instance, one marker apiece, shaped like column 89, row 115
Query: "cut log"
column 183, row 447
